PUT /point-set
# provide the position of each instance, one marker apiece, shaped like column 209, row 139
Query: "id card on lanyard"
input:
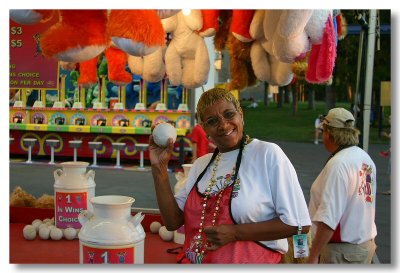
column 300, row 244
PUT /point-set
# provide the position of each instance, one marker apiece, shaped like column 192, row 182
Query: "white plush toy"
column 265, row 65
column 151, row 67
column 186, row 59
column 289, row 40
column 287, row 36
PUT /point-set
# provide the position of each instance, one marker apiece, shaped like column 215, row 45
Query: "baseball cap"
column 339, row 117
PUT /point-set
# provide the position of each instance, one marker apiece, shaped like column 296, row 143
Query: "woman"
column 239, row 203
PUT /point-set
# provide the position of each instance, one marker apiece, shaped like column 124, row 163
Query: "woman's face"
column 224, row 124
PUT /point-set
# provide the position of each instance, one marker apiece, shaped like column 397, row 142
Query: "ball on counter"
column 43, row 225
column 77, row 232
column 56, row 234
column 69, row 233
column 44, row 232
column 162, row 132
column 47, row 220
column 165, row 234
column 155, row 227
column 36, row 223
column 29, row 232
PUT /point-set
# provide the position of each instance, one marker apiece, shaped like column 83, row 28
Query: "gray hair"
column 343, row 136
column 213, row 95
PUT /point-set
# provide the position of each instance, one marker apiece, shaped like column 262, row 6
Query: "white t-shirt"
column 318, row 123
column 269, row 187
column 344, row 193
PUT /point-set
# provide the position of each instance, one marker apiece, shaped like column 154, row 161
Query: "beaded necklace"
column 199, row 243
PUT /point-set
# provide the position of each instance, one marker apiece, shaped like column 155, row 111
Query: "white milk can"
column 73, row 189
column 110, row 234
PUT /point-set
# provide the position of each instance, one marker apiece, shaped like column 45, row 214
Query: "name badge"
column 300, row 245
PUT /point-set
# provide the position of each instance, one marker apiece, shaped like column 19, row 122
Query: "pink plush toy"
column 323, row 54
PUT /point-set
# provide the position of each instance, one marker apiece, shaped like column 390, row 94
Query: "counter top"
column 40, row 251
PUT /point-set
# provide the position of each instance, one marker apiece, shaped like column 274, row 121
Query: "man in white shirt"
column 342, row 200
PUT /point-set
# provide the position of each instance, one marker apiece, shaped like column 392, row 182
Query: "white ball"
column 56, row 234
column 165, row 234
column 42, row 225
column 77, row 232
column 29, row 232
column 46, row 220
column 50, row 226
column 162, row 132
column 36, row 223
column 155, row 227
column 44, row 232
column 69, row 233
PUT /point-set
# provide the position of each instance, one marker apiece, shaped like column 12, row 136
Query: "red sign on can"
column 92, row 255
column 68, row 207
column 28, row 67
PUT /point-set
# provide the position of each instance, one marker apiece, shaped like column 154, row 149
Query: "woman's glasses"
column 214, row 121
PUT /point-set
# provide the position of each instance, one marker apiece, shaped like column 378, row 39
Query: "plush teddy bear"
column 150, row 67
column 287, row 36
column 266, row 66
column 186, row 58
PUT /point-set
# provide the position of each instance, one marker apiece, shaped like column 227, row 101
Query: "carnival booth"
column 94, row 82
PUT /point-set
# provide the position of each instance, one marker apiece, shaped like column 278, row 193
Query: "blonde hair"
column 213, row 95
column 343, row 136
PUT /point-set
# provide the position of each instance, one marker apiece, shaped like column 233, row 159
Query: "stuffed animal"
column 186, row 58
column 30, row 17
column 151, row 67
column 285, row 30
column 266, row 66
column 79, row 35
column 288, row 35
column 239, row 26
column 322, row 57
column 82, row 35
column 241, row 71
column 137, row 32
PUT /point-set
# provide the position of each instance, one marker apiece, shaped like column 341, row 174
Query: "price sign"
column 28, row 67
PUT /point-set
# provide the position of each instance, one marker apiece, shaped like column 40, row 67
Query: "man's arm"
column 322, row 236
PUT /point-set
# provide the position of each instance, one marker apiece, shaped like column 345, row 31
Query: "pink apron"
column 231, row 253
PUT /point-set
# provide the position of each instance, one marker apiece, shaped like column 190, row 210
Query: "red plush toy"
column 231, row 30
column 240, row 24
column 82, row 35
